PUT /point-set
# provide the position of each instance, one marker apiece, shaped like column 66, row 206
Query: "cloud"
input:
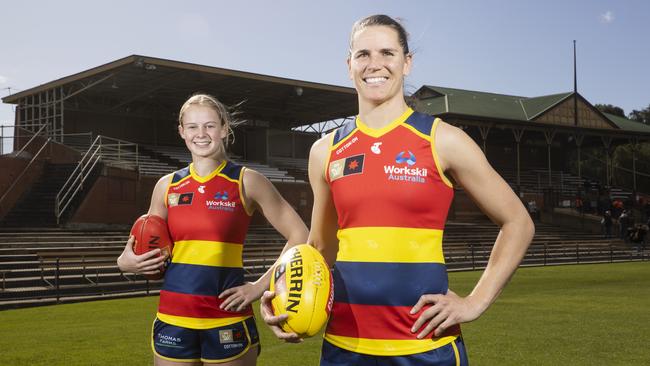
column 3, row 79
column 607, row 18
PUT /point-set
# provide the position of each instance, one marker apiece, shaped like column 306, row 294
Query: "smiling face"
column 203, row 131
column 377, row 64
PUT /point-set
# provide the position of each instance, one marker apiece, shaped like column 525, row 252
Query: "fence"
column 73, row 276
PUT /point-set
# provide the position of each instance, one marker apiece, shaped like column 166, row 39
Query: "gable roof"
column 533, row 107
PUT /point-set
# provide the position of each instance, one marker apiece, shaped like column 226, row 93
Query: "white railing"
column 111, row 151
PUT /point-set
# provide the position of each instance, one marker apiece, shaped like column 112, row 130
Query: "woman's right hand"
column 149, row 263
column 274, row 322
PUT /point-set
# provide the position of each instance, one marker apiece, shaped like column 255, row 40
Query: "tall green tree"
column 611, row 109
column 642, row 116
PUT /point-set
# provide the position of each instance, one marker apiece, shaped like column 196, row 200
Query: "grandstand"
column 89, row 147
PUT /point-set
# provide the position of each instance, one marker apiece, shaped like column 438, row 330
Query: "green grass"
column 565, row 315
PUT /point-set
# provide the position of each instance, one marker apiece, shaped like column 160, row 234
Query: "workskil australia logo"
column 221, row 202
column 404, row 170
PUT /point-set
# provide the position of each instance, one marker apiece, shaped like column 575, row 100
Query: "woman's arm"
column 465, row 162
column 147, row 263
column 262, row 195
column 324, row 221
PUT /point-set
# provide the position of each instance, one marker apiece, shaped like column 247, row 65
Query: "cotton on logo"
column 202, row 189
column 375, row 148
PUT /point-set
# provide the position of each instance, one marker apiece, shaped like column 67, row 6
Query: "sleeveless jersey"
column 208, row 222
column 392, row 201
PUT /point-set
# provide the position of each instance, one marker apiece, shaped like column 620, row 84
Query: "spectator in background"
column 617, row 206
column 592, row 204
column 606, row 221
column 532, row 209
column 624, row 224
column 638, row 234
column 579, row 205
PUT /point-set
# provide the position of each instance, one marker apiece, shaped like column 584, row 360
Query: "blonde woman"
column 204, row 315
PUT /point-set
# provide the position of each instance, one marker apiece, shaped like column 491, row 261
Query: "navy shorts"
column 219, row 344
column 452, row 354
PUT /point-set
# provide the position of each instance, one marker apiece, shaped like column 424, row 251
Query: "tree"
column 611, row 109
column 642, row 116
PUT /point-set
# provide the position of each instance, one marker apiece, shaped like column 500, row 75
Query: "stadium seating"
column 38, row 205
column 295, row 166
column 51, row 265
column 182, row 157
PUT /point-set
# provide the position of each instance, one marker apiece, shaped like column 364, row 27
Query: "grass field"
column 564, row 315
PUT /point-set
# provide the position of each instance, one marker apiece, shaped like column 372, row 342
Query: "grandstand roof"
column 448, row 101
column 136, row 80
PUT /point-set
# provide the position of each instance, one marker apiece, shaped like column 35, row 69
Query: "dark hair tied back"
column 384, row 20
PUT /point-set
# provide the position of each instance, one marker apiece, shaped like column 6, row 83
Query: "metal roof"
column 141, row 82
column 441, row 101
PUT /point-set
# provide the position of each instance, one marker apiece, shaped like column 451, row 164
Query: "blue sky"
column 510, row 47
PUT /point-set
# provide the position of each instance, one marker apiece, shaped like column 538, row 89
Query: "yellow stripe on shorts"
column 388, row 347
column 199, row 323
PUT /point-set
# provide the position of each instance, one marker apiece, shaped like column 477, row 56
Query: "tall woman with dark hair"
column 382, row 188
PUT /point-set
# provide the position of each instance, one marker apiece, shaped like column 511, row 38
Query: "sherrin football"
column 303, row 288
column 151, row 232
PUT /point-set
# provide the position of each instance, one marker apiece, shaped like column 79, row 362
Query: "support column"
column 635, row 147
column 607, row 143
column 61, row 101
column 266, row 146
column 485, row 130
column 578, row 137
column 518, row 133
column 549, row 135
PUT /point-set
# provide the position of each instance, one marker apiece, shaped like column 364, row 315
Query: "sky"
column 514, row 47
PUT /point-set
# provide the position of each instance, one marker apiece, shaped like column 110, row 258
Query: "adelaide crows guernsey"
column 392, row 201
column 207, row 221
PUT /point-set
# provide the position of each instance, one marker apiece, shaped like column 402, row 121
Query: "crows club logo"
column 172, row 199
column 347, row 166
column 401, row 158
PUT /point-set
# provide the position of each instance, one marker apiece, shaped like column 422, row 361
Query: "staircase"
column 36, row 207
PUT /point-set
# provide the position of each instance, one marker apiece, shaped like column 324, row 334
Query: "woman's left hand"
column 238, row 298
column 446, row 310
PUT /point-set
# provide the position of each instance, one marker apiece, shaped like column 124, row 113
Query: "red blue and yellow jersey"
column 392, row 200
column 208, row 222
